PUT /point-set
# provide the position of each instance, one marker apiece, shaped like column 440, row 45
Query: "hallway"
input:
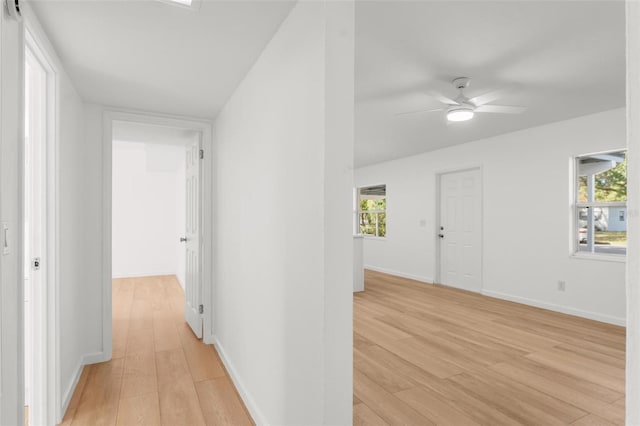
column 160, row 373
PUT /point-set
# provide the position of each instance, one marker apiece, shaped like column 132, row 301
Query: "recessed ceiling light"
column 460, row 113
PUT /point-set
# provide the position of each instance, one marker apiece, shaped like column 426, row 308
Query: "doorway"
column 460, row 229
column 157, row 206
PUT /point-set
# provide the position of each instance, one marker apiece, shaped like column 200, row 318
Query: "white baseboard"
column 87, row 359
column 209, row 338
column 557, row 308
column 180, row 281
column 420, row 278
column 525, row 301
column 95, row 357
column 255, row 412
column 142, row 274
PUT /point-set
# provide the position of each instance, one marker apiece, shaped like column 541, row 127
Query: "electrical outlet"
column 562, row 285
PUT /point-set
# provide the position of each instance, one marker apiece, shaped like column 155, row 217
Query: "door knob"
column 441, row 235
column 183, row 239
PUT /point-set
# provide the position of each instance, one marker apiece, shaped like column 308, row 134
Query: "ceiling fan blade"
column 421, row 111
column 501, row 109
column 490, row 96
column 442, row 98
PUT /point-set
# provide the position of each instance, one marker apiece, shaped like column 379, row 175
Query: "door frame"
column 46, row 374
column 438, row 207
column 205, row 128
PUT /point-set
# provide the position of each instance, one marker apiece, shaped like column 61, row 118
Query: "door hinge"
column 201, row 309
column 201, row 154
column 35, row 263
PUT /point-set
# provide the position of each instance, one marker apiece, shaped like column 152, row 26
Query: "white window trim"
column 584, row 204
column 620, row 258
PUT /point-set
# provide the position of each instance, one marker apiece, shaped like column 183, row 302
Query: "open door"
column 193, row 309
column 11, row 297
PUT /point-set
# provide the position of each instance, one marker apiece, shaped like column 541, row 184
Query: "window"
column 601, row 203
column 372, row 210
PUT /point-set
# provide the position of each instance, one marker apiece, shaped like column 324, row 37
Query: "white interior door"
column 460, row 230
column 193, row 289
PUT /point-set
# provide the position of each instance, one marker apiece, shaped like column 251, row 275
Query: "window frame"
column 578, row 205
column 358, row 211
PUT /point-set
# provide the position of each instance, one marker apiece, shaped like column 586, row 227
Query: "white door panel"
column 193, row 288
column 460, row 230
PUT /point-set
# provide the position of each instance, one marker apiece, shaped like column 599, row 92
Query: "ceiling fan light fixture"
column 462, row 113
column 187, row 4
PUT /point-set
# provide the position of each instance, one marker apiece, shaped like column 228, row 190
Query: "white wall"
column 11, row 358
column 80, row 253
column 147, row 190
column 526, row 221
column 283, row 245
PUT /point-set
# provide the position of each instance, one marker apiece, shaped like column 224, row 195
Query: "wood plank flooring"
column 160, row 373
column 423, row 355
column 426, row 354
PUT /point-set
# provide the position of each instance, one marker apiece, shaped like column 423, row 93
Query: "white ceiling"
column 154, row 56
column 566, row 59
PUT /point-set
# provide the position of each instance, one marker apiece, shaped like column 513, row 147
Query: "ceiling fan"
column 463, row 108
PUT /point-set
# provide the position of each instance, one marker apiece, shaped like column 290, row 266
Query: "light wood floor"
column 427, row 354
column 160, row 373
